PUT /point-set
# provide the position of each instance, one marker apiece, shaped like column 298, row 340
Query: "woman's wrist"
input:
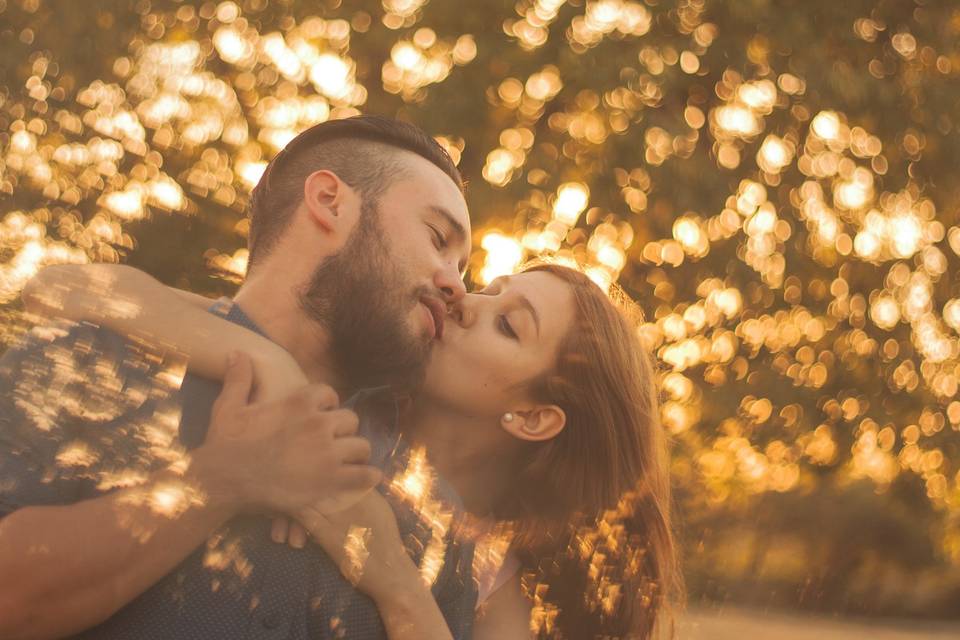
column 403, row 586
column 410, row 611
column 408, row 598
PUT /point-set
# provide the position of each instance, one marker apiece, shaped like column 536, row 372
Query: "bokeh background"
column 773, row 183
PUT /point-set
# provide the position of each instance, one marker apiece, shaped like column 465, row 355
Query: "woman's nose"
column 464, row 312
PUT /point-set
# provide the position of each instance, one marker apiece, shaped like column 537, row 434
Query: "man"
column 358, row 238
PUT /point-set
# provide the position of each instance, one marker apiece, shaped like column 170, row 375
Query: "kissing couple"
column 351, row 447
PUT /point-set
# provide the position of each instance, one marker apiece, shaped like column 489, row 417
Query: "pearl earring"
column 508, row 417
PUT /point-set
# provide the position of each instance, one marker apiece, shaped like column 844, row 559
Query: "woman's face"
column 495, row 341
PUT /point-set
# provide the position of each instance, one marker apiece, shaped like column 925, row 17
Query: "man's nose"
column 451, row 285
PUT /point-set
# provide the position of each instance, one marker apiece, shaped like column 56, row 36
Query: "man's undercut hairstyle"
column 362, row 151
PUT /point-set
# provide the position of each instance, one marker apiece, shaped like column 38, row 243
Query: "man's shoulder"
column 81, row 409
column 35, row 342
column 85, row 341
column 64, row 379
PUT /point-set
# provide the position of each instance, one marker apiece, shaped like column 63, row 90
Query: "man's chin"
column 409, row 376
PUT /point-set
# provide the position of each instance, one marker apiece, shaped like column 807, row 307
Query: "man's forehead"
column 434, row 180
column 428, row 186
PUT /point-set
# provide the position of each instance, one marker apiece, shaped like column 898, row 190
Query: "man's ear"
column 324, row 197
column 537, row 424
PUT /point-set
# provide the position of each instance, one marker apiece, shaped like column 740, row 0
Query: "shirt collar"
column 230, row 310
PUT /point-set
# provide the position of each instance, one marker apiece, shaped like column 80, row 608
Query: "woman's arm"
column 132, row 303
column 412, row 614
column 365, row 543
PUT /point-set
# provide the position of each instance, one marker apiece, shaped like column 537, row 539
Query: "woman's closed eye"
column 506, row 328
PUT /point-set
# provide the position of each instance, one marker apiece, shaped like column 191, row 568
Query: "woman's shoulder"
column 492, row 571
column 505, row 612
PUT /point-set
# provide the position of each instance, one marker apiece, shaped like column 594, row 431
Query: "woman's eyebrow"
column 526, row 304
column 524, row 301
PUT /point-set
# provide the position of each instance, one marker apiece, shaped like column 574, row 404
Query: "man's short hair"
column 362, row 152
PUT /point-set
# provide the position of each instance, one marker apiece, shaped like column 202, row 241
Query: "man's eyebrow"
column 458, row 229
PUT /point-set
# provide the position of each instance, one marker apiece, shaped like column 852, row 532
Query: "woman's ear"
column 540, row 423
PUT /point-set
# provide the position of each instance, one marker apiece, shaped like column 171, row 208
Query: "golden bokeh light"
column 781, row 211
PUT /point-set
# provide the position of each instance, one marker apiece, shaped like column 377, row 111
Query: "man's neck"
column 278, row 314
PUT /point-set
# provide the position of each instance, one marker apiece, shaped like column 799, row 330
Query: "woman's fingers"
column 298, row 535
column 279, row 529
column 284, row 530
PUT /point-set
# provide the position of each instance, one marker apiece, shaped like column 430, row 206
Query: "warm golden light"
column 332, row 76
column 737, row 120
column 504, row 255
column 570, row 202
column 780, row 208
column 826, row 125
column 774, row 154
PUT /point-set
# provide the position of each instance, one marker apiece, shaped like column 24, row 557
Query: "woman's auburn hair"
column 611, row 450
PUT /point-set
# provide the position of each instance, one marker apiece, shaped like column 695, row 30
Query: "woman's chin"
column 439, row 382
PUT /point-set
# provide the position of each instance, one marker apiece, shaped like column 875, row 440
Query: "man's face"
column 383, row 297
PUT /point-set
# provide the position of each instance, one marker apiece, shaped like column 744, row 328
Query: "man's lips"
column 438, row 311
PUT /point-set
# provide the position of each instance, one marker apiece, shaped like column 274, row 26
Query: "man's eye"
column 439, row 239
column 506, row 328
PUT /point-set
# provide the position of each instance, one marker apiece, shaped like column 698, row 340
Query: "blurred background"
column 773, row 183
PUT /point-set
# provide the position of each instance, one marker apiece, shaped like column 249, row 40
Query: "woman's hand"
column 365, row 543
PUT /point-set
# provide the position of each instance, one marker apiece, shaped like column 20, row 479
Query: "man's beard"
column 364, row 303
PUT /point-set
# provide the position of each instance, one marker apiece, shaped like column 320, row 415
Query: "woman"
column 538, row 406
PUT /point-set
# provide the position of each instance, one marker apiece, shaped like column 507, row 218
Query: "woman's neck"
column 477, row 460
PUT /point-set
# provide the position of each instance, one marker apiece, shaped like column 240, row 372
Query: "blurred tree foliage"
column 772, row 182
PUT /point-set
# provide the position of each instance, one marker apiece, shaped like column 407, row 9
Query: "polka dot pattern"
column 240, row 584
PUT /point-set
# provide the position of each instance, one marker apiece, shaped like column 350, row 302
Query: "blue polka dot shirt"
column 84, row 386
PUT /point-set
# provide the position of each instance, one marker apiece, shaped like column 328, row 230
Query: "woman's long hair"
column 592, row 505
